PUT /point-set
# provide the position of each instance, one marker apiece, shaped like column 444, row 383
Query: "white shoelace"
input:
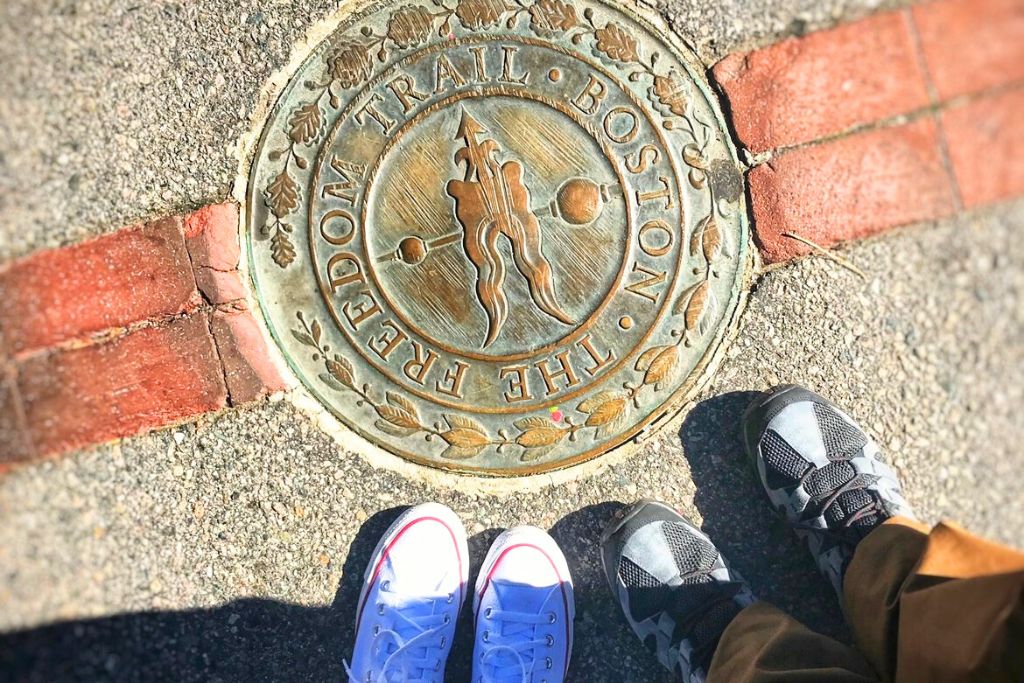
column 416, row 626
column 510, row 656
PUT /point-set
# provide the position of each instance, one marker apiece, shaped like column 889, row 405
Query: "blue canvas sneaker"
column 524, row 611
column 413, row 590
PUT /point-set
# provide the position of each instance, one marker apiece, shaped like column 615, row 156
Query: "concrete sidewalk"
column 233, row 549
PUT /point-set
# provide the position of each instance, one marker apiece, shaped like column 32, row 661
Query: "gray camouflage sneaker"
column 675, row 588
column 822, row 472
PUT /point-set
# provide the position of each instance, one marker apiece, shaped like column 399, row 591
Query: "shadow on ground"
column 243, row 640
column 264, row 640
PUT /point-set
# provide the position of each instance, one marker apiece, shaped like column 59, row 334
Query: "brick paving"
column 133, row 331
column 850, row 188
column 971, row 46
column 211, row 236
column 842, row 98
column 138, row 273
column 806, row 89
column 149, row 377
column 986, row 146
column 248, row 370
column 13, row 434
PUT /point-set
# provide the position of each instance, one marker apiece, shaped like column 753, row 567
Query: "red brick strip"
column 248, row 370
column 828, row 113
column 129, row 332
column 146, row 379
column 986, row 146
column 211, row 235
column 850, row 188
column 805, row 89
column 14, row 442
column 972, row 45
column 138, row 273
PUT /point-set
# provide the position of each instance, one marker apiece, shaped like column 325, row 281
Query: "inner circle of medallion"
column 593, row 312
column 638, row 332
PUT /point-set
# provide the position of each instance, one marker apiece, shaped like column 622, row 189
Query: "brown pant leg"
column 765, row 645
column 939, row 607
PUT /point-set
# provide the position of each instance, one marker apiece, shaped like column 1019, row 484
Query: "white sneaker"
column 524, row 611
column 413, row 590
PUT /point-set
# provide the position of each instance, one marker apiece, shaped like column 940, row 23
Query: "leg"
column 938, row 606
column 674, row 586
column 822, row 473
column 765, row 645
column 698, row 616
column 943, row 606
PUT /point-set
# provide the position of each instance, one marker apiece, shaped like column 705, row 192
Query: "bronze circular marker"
column 463, row 225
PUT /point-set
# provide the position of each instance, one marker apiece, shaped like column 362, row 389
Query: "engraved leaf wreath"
column 410, row 26
column 306, row 123
column 658, row 364
column 551, row 16
column 282, row 196
column 398, row 416
column 615, row 42
column 465, row 438
column 478, row 14
column 538, row 435
column 671, row 92
column 605, row 410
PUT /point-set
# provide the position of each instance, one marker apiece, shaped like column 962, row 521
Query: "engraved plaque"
column 497, row 236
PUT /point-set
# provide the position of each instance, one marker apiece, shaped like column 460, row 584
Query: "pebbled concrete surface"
column 232, row 550
column 112, row 111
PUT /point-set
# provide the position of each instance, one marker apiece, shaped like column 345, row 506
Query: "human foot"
column 675, row 588
column 524, row 610
column 413, row 590
column 822, row 472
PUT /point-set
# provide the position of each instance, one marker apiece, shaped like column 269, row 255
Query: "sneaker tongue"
column 519, row 597
column 414, row 583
